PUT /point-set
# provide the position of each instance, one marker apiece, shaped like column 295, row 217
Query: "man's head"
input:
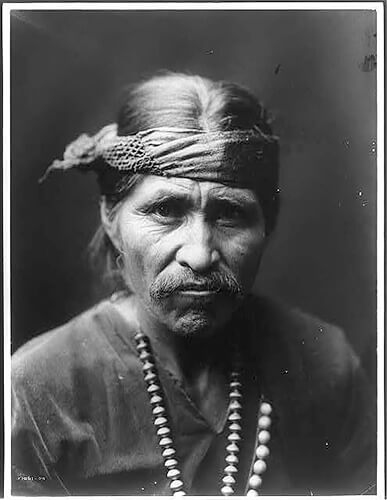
column 190, row 250
column 189, row 194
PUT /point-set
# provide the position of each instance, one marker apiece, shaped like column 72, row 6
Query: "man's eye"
column 230, row 212
column 168, row 209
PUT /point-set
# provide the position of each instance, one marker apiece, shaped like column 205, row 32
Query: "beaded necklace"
column 164, row 433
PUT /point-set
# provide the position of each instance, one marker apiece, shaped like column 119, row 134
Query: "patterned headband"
column 230, row 157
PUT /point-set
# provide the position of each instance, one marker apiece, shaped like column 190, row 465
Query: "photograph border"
column 166, row 6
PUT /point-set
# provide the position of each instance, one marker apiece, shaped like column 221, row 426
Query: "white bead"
column 168, row 452
column 139, row 336
column 176, row 484
column 264, row 437
column 179, row 494
column 262, row 451
column 234, row 436
column 158, row 410
column 252, row 493
column 259, row 467
column 170, row 463
column 227, row 490
column 266, row 408
column 160, row 421
column 150, row 376
column 153, row 388
column 145, row 355
column 228, row 480
column 264, row 422
column 235, row 405
column 173, row 474
column 230, row 469
column 235, row 394
column 156, row 399
column 235, row 427
column 255, row 481
column 232, row 459
column 163, row 431
column 232, row 448
column 165, row 441
column 234, row 416
column 148, row 366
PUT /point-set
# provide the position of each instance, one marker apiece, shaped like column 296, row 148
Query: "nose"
column 198, row 250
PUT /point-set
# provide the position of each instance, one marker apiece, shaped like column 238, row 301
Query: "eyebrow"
column 221, row 195
column 239, row 198
column 162, row 195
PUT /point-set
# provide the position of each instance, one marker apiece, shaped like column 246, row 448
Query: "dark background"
column 315, row 72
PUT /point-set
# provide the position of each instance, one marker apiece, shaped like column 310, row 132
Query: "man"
column 183, row 382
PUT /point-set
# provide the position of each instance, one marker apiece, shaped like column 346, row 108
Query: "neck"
column 201, row 365
column 187, row 357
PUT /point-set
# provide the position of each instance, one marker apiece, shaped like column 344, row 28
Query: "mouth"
column 204, row 289
column 197, row 293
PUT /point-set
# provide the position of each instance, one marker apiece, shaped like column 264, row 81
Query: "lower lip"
column 197, row 293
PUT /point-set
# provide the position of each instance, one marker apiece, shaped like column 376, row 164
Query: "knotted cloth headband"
column 239, row 158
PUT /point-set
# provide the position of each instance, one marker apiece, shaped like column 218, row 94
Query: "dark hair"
column 188, row 101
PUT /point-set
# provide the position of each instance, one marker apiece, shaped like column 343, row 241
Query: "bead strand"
column 159, row 412
column 262, row 451
column 163, row 429
column 234, row 437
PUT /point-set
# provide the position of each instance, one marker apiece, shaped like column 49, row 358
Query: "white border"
column 7, row 249
column 381, row 338
column 192, row 6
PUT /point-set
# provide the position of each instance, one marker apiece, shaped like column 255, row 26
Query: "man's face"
column 191, row 249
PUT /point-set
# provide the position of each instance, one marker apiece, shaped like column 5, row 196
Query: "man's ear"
column 109, row 224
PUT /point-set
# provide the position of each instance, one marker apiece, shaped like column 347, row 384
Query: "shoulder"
column 62, row 381
column 298, row 338
column 82, row 344
column 308, row 366
column 275, row 315
column 322, row 399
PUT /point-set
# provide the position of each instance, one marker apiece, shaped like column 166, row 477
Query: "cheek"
column 244, row 253
column 134, row 249
column 142, row 244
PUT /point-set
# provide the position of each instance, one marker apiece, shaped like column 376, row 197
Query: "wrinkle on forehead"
column 153, row 186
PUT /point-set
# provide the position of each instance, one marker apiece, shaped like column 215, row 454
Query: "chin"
column 196, row 319
column 197, row 323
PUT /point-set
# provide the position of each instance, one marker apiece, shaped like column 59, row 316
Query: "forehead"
column 152, row 186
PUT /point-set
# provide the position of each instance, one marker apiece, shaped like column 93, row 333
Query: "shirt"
column 82, row 422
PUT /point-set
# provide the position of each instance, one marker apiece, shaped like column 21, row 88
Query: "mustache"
column 216, row 281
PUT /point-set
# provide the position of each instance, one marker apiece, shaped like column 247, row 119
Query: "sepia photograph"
column 195, row 255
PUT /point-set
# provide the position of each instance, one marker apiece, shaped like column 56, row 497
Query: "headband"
column 230, row 157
